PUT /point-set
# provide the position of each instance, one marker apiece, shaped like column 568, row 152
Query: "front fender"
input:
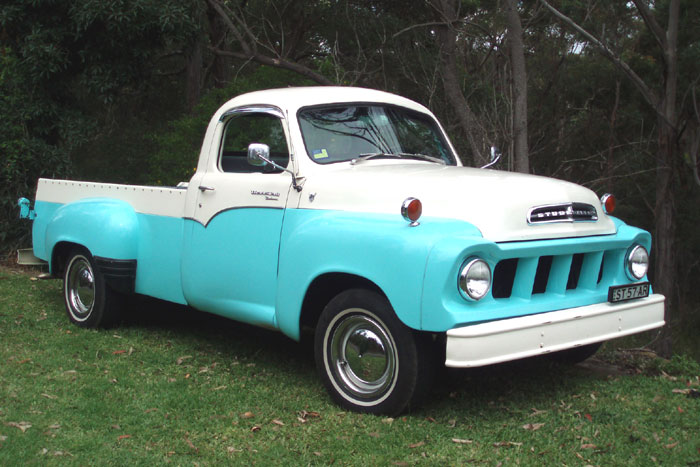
column 106, row 227
column 381, row 248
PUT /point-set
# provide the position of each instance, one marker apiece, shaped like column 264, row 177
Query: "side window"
column 242, row 130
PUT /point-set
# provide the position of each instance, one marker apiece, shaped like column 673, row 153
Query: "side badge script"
column 269, row 196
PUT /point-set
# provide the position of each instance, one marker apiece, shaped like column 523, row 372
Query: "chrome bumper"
column 527, row 336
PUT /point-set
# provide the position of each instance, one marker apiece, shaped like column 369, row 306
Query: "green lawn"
column 176, row 386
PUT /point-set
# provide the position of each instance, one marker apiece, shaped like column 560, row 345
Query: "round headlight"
column 475, row 279
column 637, row 262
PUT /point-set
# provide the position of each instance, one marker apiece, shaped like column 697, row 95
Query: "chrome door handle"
column 203, row 188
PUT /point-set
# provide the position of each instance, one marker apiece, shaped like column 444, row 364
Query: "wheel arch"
column 322, row 289
column 60, row 254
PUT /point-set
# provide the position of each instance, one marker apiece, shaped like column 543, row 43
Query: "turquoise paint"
column 111, row 229
column 444, row 308
column 106, row 227
column 159, row 258
column 229, row 267
column 382, row 248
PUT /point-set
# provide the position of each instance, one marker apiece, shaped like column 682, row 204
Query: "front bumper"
column 528, row 336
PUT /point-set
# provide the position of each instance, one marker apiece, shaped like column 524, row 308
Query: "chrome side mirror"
column 258, row 154
column 495, row 156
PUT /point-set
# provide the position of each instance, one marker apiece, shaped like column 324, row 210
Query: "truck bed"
column 155, row 200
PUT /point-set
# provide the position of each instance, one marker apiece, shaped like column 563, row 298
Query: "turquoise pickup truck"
column 346, row 212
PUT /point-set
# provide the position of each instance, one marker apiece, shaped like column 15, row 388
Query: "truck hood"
column 495, row 202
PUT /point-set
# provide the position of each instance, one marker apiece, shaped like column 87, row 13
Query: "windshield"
column 347, row 132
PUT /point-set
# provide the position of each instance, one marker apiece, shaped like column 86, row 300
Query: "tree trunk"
column 447, row 36
column 519, row 79
column 665, row 269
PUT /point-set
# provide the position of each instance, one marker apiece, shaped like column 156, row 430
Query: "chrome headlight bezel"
column 637, row 262
column 474, row 279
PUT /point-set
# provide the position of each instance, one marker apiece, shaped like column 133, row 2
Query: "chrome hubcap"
column 362, row 356
column 80, row 288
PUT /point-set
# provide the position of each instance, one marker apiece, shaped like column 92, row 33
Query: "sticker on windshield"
column 320, row 154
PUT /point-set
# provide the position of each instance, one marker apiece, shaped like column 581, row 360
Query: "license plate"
column 622, row 293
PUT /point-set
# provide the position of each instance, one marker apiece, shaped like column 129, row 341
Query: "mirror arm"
column 495, row 156
column 295, row 182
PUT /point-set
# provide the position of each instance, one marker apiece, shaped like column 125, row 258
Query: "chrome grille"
column 566, row 212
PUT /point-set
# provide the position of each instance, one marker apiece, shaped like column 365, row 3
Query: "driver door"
column 230, row 261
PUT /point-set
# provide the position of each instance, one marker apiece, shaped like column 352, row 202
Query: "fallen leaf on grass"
column 118, row 352
column 278, row 422
column 588, row 417
column 694, row 393
column 316, row 453
column 506, row 444
column 680, row 410
column 55, row 426
column 672, row 445
column 3, row 438
column 231, row 450
column 533, row 426
column 189, row 443
column 256, row 428
column 247, row 415
column 452, row 423
column 535, row 412
column 373, row 434
column 462, row 441
column 24, row 426
column 26, row 360
column 416, row 445
column 588, row 446
column 388, row 420
column 56, row 453
column 123, row 437
column 49, row 396
column 303, row 416
column 430, row 419
column 667, row 376
column 183, row 358
column 219, row 388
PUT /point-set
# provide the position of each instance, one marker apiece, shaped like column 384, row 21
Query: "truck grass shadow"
column 523, row 384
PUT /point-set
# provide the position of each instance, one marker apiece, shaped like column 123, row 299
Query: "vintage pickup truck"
column 347, row 212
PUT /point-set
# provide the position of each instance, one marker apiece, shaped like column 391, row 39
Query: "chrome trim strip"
column 564, row 212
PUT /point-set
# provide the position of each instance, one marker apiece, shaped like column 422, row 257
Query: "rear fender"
column 108, row 228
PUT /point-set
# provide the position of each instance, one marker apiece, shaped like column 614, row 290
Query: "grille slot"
column 544, row 267
column 555, row 275
column 503, row 278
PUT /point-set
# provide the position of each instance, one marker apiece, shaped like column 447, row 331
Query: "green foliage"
column 24, row 155
column 176, row 148
column 63, row 67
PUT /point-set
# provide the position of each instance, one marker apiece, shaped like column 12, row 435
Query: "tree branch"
column 277, row 62
column 656, row 30
column 649, row 95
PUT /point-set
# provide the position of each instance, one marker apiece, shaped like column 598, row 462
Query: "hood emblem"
column 565, row 212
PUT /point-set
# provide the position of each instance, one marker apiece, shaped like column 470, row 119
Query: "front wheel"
column 90, row 303
column 369, row 361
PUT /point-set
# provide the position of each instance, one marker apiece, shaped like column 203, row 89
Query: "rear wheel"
column 369, row 361
column 90, row 303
